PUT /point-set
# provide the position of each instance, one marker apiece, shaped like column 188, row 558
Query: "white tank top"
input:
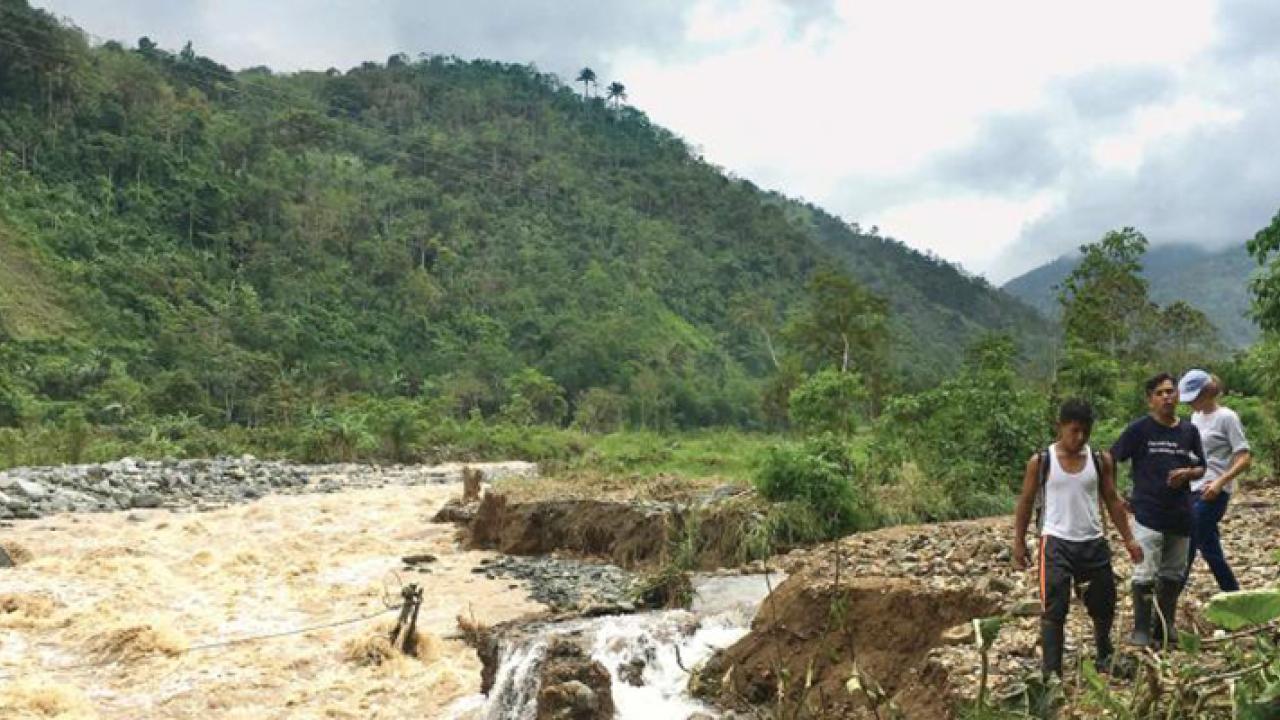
column 1071, row 500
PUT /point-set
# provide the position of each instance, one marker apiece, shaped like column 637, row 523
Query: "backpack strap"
column 1102, row 503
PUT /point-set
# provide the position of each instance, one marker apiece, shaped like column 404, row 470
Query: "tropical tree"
column 617, row 92
column 586, row 76
column 1265, row 248
column 1187, row 337
column 756, row 311
column 841, row 324
column 828, row 401
column 1104, row 300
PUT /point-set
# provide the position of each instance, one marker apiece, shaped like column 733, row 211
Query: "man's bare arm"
column 1022, row 513
column 1115, row 506
column 1111, row 498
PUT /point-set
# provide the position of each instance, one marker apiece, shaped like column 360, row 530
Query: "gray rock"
column 1024, row 608
column 30, row 489
column 145, row 500
column 60, row 502
column 994, row 584
column 583, row 697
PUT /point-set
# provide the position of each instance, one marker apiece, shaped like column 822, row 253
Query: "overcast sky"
column 995, row 133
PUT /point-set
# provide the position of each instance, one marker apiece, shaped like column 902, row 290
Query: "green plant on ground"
column 971, row 435
column 828, row 401
column 1233, row 674
column 670, row 585
column 818, row 475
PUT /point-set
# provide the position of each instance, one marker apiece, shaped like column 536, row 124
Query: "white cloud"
column 967, row 229
column 895, row 88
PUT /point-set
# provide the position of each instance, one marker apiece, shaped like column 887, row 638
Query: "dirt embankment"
column 629, row 533
column 813, row 636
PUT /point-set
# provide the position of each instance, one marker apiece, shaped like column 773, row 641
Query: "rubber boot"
column 1052, row 637
column 1167, row 592
column 1141, row 635
column 1102, row 641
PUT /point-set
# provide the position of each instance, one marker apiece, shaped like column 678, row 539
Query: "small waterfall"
column 515, row 687
column 644, row 653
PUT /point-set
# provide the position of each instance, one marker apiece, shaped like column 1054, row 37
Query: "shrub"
column 342, row 436
column 599, row 411
column 534, row 398
column 971, row 435
column 401, row 429
column 820, row 475
column 828, row 401
column 12, row 403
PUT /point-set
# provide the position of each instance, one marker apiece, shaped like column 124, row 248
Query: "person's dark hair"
column 1154, row 381
column 1076, row 410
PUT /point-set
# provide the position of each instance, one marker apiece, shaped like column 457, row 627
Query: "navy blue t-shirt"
column 1156, row 450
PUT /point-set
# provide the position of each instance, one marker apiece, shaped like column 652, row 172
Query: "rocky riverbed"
column 566, row 584
column 32, row 492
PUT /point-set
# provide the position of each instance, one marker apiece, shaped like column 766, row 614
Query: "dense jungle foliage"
column 185, row 248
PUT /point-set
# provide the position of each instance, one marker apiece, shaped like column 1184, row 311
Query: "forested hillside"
column 249, row 248
column 1213, row 281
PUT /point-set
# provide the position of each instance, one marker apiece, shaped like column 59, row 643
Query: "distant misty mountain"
column 1215, row 281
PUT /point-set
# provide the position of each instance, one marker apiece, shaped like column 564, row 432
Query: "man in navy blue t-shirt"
column 1165, row 455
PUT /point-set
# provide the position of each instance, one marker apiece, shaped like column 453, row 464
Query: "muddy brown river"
column 140, row 587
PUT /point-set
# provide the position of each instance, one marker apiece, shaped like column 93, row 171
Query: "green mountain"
column 1214, row 281
column 249, row 247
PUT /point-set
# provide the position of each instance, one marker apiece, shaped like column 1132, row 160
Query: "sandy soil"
column 141, row 587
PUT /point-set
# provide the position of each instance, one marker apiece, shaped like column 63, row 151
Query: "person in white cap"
column 1227, row 456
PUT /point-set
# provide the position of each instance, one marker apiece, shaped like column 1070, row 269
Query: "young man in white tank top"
column 1073, row 547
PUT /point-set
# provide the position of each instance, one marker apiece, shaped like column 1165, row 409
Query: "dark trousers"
column 1084, row 565
column 1205, row 516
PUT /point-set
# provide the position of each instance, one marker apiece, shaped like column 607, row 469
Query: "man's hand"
column 1019, row 555
column 1211, row 492
column 1135, row 550
column 1180, row 477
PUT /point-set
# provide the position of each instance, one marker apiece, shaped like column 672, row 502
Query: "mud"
column 631, row 534
column 812, row 636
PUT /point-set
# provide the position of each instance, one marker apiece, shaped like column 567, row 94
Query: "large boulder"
column 574, row 687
